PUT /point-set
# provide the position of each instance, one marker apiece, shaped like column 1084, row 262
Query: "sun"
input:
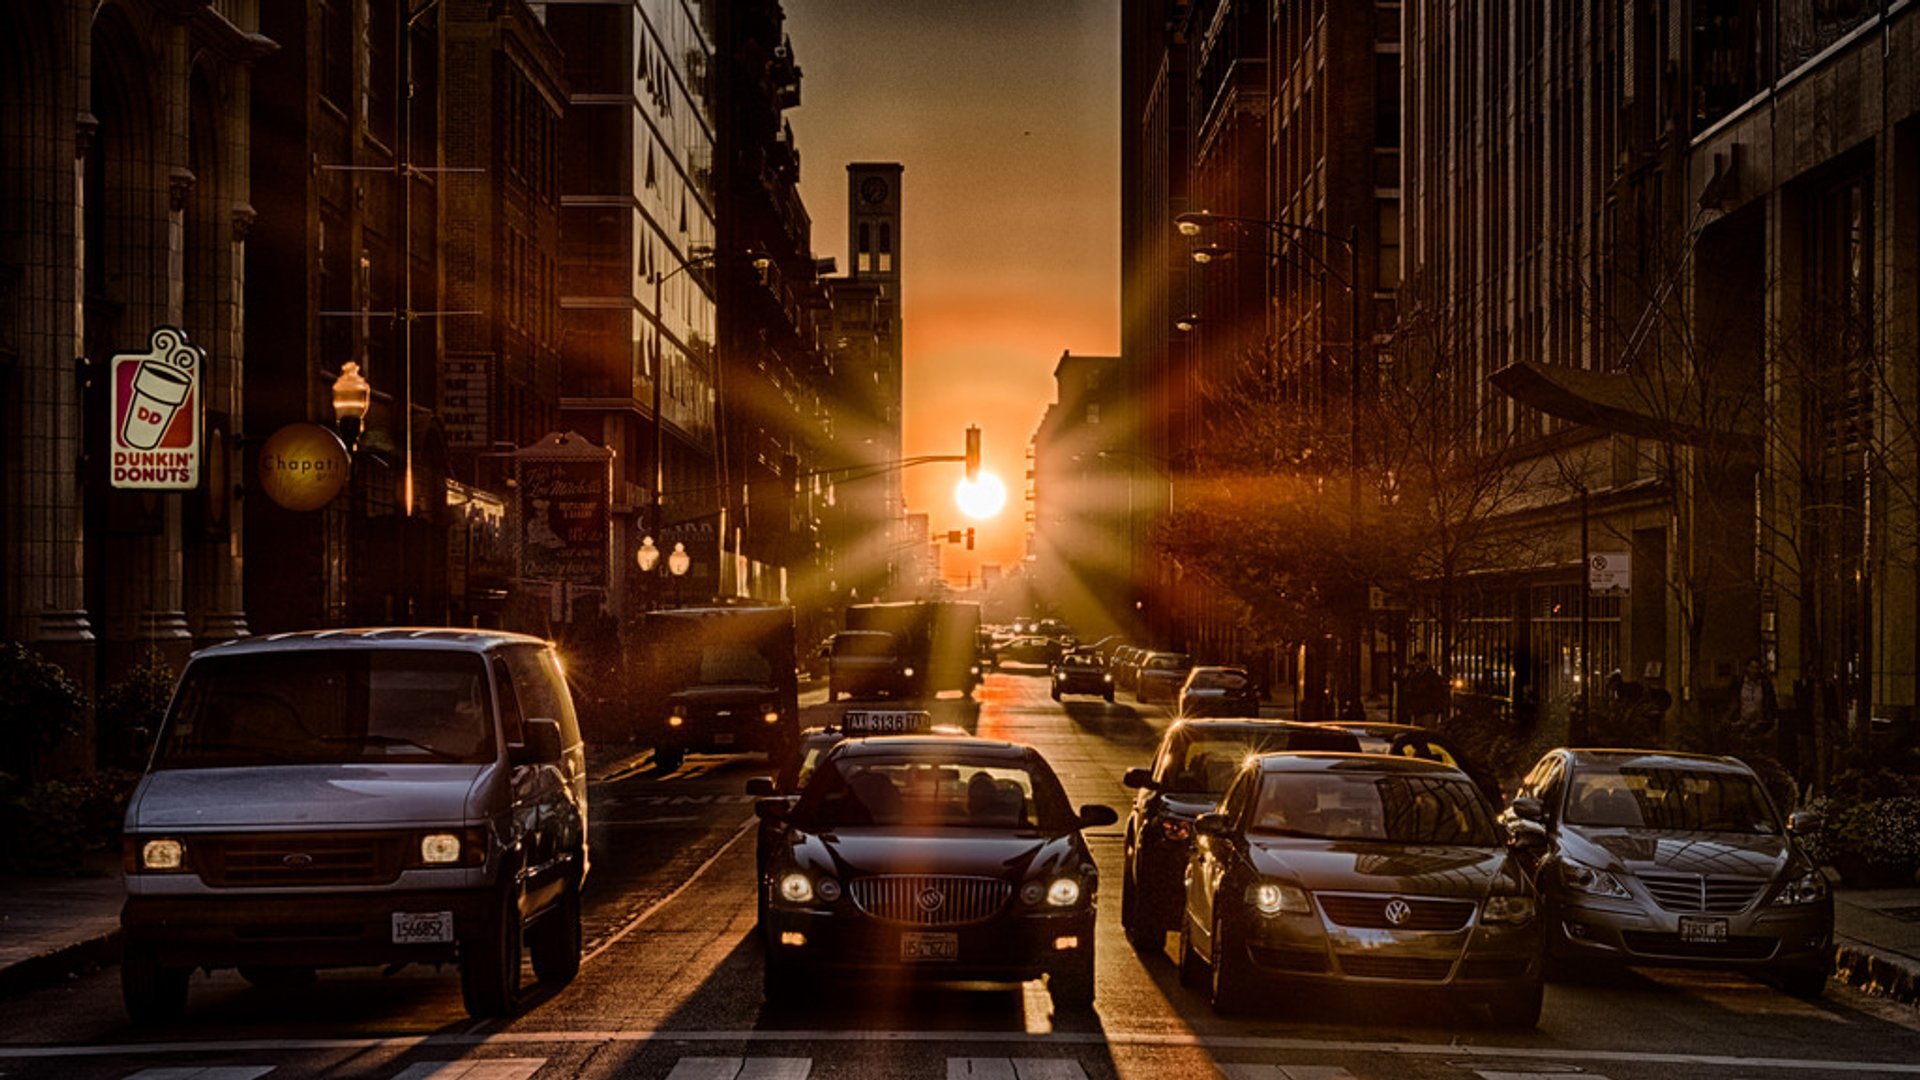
column 980, row 498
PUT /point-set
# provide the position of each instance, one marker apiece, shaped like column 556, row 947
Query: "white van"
column 359, row 797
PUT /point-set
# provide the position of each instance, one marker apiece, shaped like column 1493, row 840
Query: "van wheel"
column 554, row 941
column 152, row 994
column 490, row 963
column 668, row 758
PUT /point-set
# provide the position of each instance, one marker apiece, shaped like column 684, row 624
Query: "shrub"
column 50, row 825
column 42, row 707
column 130, row 710
column 1869, row 826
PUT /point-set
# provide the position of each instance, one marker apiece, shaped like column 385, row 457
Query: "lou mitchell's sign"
column 156, row 415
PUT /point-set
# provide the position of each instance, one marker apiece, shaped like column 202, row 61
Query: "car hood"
column 1715, row 854
column 303, row 796
column 1427, row 869
column 855, row 853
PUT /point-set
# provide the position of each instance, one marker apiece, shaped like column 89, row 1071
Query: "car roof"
column 1204, row 669
column 383, row 637
column 1320, row 761
column 1654, row 759
column 1377, row 727
column 889, row 745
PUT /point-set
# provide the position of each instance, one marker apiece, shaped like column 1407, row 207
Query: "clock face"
column 873, row 190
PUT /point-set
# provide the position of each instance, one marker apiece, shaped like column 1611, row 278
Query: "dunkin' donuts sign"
column 156, row 415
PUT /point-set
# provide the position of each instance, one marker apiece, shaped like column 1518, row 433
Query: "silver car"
column 1671, row 859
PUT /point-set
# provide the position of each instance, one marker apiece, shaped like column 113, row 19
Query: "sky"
column 1006, row 116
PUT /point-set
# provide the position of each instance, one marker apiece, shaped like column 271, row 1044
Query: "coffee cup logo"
column 158, row 392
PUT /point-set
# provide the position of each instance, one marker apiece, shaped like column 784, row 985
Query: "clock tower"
column 873, row 218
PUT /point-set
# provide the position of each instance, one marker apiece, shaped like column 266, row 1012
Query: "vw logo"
column 1399, row 911
column 931, row 899
column 297, row 859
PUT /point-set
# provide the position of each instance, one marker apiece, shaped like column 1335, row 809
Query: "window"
column 1093, row 413
column 336, row 53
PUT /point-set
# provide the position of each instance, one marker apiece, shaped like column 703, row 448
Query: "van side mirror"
column 542, row 745
column 1139, row 778
column 761, row 786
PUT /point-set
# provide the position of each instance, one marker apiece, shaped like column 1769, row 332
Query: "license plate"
column 422, row 927
column 724, row 738
column 929, row 946
column 1696, row 931
column 884, row 721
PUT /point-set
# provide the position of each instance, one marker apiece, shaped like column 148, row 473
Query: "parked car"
column 865, row 663
column 1408, row 740
column 1160, row 675
column 1364, row 870
column 934, row 857
column 1189, row 773
column 359, row 797
column 1217, row 691
column 1650, row 857
column 1081, row 673
column 1031, row 650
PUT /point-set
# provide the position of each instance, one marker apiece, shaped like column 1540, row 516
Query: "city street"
column 670, row 986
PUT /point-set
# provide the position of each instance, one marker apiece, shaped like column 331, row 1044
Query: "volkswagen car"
column 1373, row 871
column 931, row 858
column 1672, row 859
column 1191, row 769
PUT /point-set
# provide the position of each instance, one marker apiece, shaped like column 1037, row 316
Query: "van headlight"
column 439, row 849
column 163, row 855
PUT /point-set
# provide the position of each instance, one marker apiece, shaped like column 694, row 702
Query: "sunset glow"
column 982, row 498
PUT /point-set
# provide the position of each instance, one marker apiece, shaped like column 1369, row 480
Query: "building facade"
column 1082, row 483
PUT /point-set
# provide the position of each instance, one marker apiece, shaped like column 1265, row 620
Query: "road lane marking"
column 1289, row 1072
column 484, row 1069
column 1014, row 1069
column 741, row 1068
column 1561, row 1075
column 634, row 923
column 1111, row 1039
column 215, row 1072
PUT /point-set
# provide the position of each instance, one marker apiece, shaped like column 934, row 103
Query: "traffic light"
column 969, row 539
column 953, row 536
column 973, row 453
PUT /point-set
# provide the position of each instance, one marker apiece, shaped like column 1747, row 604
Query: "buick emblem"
column 297, row 859
column 931, row 899
column 1399, row 911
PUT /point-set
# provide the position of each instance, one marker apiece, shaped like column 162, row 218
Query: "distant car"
column 1409, row 740
column 1217, row 691
column 1359, row 869
column 1030, row 650
column 865, row 663
column 1189, row 773
column 1081, row 673
column 1160, row 676
column 1661, row 858
column 942, row 858
column 1125, row 665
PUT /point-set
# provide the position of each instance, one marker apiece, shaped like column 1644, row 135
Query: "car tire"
column 1806, row 983
column 1518, row 1008
column 1071, row 986
column 668, row 758
column 554, row 941
column 152, row 993
column 490, row 962
column 1055, row 692
column 1234, row 979
column 1193, row 971
column 1108, row 694
column 276, row 977
column 1133, row 920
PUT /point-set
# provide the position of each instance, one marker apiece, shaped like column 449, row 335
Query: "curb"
column 36, row 972
column 1877, row 972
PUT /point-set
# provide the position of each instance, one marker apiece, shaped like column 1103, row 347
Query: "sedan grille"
column 1368, row 911
column 1694, row 892
column 298, row 859
column 1409, row 968
column 931, row 899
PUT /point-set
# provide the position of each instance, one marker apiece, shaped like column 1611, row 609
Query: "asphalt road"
column 671, row 985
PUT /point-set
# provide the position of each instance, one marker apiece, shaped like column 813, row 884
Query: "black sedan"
column 1217, row 691
column 938, row 858
column 1189, row 773
column 1081, row 673
column 1363, row 870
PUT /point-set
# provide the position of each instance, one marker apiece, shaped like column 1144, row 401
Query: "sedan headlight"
column 1594, row 882
column 1509, row 910
column 1809, row 888
column 1064, row 892
column 1273, row 898
column 796, row 888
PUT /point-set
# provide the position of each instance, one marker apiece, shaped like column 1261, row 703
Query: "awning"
column 1629, row 403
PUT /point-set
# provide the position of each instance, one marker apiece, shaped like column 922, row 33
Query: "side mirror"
column 1522, row 833
column 1212, row 824
column 1528, row 808
column 1094, row 816
column 1803, row 823
column 771, row 809
column 761, row 786
column 542, row 745
column 1139, row 778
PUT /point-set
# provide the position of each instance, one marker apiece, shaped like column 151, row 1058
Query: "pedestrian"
column 1423, row 692
column 1754, row 707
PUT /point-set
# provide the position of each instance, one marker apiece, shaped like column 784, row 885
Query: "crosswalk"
column 799, row 1068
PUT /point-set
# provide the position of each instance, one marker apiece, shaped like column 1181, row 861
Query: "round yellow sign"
column 303, row 466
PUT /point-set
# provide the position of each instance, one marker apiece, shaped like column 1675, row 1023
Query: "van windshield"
column 330, row 706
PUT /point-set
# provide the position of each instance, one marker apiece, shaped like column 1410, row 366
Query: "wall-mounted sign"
column 303, row 466
column 566, row 510
column 466, row 398
column 1610, row 573
column 156, row 415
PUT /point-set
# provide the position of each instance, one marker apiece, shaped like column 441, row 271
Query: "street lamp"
column 1193, row 224
column 678, row 564
column 352, row 395
column 648, row 556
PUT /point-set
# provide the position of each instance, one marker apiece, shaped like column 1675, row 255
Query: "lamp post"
column 1193, row 224
column 352, row 395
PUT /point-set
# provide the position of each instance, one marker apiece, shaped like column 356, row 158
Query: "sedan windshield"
column 1217, row 680
column 1422, row 808
column 1672, row 799
column 946, row 788
column 325, row 706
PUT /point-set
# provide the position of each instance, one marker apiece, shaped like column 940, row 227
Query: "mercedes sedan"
column 931, row 858
column 1653, row 857
column 1329, row 869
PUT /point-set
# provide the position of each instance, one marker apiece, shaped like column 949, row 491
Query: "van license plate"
column 723, row 738
column 422, row 927
column 929, row 946
column 1694, row 931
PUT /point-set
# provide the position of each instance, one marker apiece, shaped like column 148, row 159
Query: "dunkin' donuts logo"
column 156, row 415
